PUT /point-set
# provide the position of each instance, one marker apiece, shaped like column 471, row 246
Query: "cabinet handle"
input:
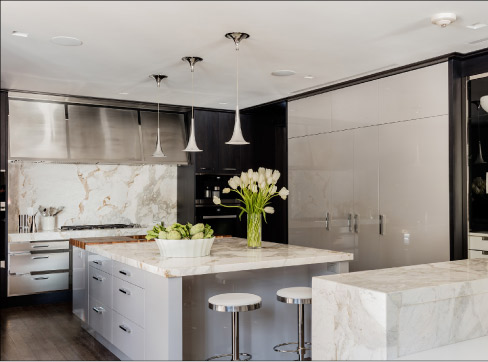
column 99, row 310
column 484, row 252
column 349, row 222
column 125, row 272
column 382, row 224
column 327, row 221
column 229, row 169
column 98, row 278
column 40, row 257
column 40, row 246
column 40, row 278
column 125, row 291
column 124, row 328
column 356, row 223
column 484, row 238
column 98, row 262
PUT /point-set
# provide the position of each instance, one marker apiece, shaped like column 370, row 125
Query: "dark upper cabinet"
column 207, row 138
column 229, row 155
column 247, row 151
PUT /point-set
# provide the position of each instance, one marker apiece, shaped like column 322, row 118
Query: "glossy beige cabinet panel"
column 414, row 191
column 367, row 251
column 341, row 191
column 308, row 116
column 416, row 94
column 309, row 183
column 355, row 106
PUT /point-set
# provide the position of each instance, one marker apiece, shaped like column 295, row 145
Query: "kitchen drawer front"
column 128, row 273
column 128, row 337
column 100, row 286
column 101, row 318
column 39, row 246
column 478, row 254
column 478, row 242
column 100, row 262
column 26, row 263
column 128, row 300
column 30, row 284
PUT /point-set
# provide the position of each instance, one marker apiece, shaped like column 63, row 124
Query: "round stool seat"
column 295, row 295
column 234, row 302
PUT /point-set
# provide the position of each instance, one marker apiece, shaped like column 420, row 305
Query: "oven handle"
column 219, row 217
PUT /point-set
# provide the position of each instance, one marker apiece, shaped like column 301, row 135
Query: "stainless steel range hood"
column 75, row 130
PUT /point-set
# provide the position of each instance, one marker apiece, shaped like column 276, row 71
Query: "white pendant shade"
column 159, row 151
column 484, row 103
column 192, row 144
column 237, row 137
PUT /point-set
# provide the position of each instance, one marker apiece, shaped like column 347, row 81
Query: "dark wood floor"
column 47, row 332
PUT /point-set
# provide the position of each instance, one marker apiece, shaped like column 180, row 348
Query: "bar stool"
column 234, row 303
column 299, row 296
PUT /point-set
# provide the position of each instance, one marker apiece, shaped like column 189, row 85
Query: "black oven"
column 223, row 220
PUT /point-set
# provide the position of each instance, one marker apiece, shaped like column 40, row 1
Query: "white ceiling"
column 125, row 41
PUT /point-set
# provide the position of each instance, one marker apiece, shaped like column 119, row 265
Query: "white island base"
column 163, row 302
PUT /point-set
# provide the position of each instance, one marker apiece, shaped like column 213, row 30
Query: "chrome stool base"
column 296, row 350
column 247, row 355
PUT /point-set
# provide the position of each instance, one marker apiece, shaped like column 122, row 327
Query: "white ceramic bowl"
column 184, row 248
column 484, row 103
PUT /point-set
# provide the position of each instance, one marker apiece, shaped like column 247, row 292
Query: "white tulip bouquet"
column 256, row 190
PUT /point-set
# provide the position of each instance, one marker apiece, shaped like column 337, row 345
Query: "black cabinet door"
column 207, row 138
column 247, row 151
column 229, row 155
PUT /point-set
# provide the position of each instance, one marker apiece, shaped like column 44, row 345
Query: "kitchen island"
column 399, row 312
column 147, row 307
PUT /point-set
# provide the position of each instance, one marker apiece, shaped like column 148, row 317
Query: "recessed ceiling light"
column 222, row 102
column 18, row 33
column 309, row 77
column 123, row 93
column 283, row 73
column 476, row 26
column 66, row 41
column 443, row 19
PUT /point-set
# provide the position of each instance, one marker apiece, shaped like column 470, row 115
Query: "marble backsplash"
column 94, row 194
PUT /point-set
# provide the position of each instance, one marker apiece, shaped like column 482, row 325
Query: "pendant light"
column 479, row 159
column 192, row 144
column 159, row 151
column 237, row 137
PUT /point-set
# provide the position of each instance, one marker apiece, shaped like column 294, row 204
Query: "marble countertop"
column 66, row 235
column 227, row 255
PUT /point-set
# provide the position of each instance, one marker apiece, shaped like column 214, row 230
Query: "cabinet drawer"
column 128, row 337
column 26, row 263
column 39, row 246
column 30, row 284
column 100, row 262
column 101, row 319
column 478, row 242
column 129, row 273
column 128, row 300
column 478, row 254
column 100, row 286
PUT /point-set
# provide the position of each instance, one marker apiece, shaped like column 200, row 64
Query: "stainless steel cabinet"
column 22, row 263
column 37, row 130
column 414, row 191
column 80, row 283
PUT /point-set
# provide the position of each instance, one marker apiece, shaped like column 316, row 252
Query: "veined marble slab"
column 227, row 255
column 65, row 235
column 389, row 313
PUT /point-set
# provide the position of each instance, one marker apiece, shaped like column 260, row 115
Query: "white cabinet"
column 416, row 94
column 414, row 191
column 355, row 106
column 100, row 286
column 128, row 337
column 37, row 283
column 101, row 318
column 128, row 300
column 128, row 273
column 308, row 116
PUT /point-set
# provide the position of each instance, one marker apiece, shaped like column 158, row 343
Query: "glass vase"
column 254, row 231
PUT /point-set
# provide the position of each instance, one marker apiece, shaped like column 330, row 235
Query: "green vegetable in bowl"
column 178, row 231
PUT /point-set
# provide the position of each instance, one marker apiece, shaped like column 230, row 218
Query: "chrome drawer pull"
column 99, row 278
column 99, row 310
column 98, row 262
column 125, row 291
column 40, row 246
column 124, row 328
column 40, row 257
column 125, row 272
column 40, row 278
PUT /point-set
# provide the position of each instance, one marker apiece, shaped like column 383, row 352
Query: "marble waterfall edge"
column 94, row 194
